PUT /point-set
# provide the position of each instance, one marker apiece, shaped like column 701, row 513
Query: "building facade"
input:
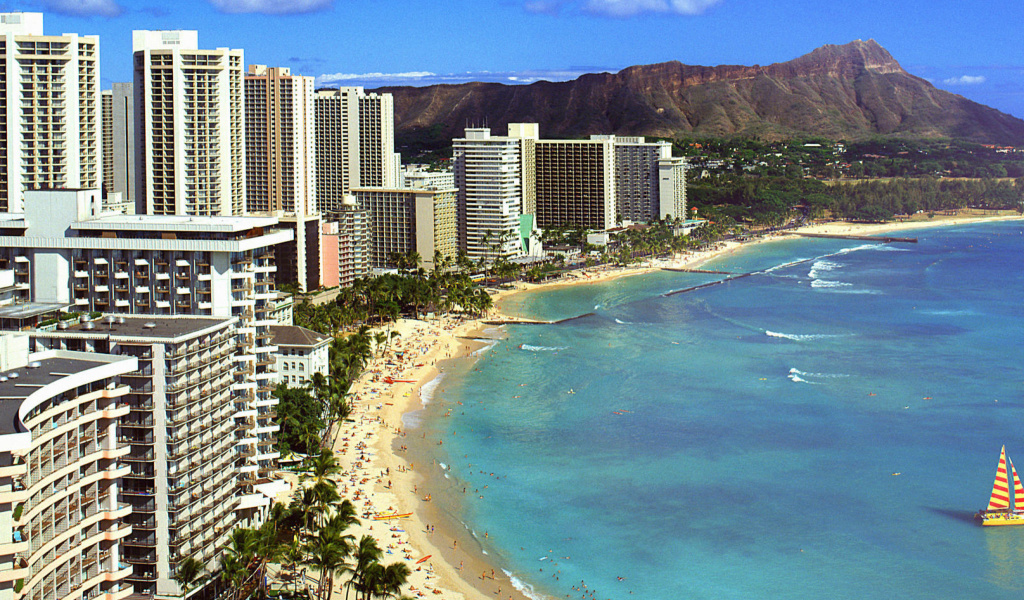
column 672, row 188
column 346, row 245
column 189, row 126
column 488, row 177
column 355, row 144
column 158, row 265
column 50, row 110
column 407, row 220
column 118, row 151
column 575, row 182
column 62, row 520
column 301, row 352
column 637, row 177
column 184, row 487
column 280, row 142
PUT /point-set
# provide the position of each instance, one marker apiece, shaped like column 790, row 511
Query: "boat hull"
column 1000, row 519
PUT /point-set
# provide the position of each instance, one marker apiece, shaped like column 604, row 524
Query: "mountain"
column 851, row 91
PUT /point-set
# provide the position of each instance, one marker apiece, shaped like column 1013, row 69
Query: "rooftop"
column 293, row 335
column 27, row 310
column 182, row 223
column 143, row 327
column 16, row 389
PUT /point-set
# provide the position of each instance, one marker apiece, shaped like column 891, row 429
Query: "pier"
column 513, row 321
column 733, row 278
column 866, row 238
column 697, row 271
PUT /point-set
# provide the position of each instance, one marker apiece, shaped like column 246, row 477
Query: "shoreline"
column 381, row 474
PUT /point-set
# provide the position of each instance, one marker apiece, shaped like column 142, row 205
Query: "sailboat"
column 1001, row 511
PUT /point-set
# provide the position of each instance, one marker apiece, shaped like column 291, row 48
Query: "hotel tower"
column 49, row 110
column 190, row 126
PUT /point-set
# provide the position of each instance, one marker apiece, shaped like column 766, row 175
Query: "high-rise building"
column 72, row 253
column 280, row 165
column 118, row 150
column 637, row 194
column 575, row 184
column 345, row 246
column 61, row 468
column 355, row 144
column 280, row 141
column 672, row 188
column 184, row 489
column 488, row 177
column 50, row 123
column 410, row 220
column 189, row 126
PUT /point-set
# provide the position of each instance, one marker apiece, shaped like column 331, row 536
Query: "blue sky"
column 970, row 47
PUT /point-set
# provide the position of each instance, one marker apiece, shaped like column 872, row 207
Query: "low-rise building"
column 301, row 352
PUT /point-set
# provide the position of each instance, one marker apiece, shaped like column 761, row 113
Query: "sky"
column 969, row 47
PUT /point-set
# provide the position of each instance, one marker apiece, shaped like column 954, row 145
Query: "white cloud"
column 422, row 78
column 271, row 7
column 404, row 78
column 84, row 8
column 621, row 8
column 965, row 80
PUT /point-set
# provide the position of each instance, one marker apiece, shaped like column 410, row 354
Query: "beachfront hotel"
column 637, row 176
column 575, row 182
column 50, row 125
column 488, row 175
column 184, row 486
column 672, row 187
column 301, row 353
column 189, row 126
column 61, row 468
column 66, row 251
column 410, row 220
column 355, row 144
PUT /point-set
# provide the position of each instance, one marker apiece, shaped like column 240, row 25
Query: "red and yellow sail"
column 1001, row 489
column 1001, row 509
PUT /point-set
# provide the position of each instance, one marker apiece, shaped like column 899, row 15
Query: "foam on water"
column 530, row 348
column 524, row 588
column 796, row 337
column 428, row 389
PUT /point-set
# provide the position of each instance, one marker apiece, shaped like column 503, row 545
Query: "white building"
column 672, row 188
column 419, row 177
column 301, row 352
column 185, row 487
column 73, row 254
column 189, row 126
column 50, row 124
column 118, row 148
column 488, row 175
column 62, row 522
column 355, row 144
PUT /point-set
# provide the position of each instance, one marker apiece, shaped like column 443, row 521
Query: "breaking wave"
column 523, row 587
column 428, row 389
column 796, row 337
column 530, row 348
column 798, row 372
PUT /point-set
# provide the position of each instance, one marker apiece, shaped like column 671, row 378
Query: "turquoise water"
column 822, row 429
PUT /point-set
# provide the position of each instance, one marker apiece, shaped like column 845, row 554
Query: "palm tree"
column 367, row 553
column 326, row 553
column 190, row 572
column 321, row 467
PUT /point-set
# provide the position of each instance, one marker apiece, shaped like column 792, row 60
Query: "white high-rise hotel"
column 190, row 126
column 49, row 110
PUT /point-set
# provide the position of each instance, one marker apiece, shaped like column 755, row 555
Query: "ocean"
column 826, row 427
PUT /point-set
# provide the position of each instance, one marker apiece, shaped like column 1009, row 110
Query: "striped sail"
column 1001, row 489
column 1018, row 490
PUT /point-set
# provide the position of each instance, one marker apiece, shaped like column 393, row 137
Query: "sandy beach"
column 382, row 477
